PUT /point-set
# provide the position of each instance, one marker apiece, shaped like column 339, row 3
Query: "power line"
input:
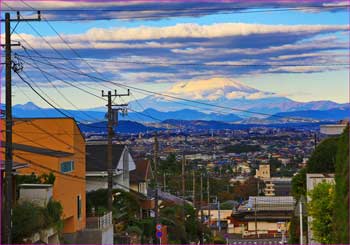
column 182, row 9
column 209, row 64
column 42, row 97
column 163, row 94
column 65, row 98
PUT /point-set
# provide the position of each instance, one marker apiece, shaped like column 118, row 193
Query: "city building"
column 263, row 216
column 334, row 129
column 277, row 186
column 97, row 167
column 263, row 172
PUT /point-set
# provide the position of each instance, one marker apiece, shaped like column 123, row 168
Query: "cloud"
column 131, row 10
column 186, row 51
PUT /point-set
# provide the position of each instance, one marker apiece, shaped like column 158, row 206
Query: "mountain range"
column 197, row 95
column 229, row 93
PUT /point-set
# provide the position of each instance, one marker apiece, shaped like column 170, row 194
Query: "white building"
column 97, row 168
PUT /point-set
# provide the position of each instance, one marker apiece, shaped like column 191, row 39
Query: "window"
column 67, row 166
column 79, row 206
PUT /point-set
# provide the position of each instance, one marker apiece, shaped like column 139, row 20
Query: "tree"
column 321, row 208
column 323, row 158
column 299, row 184
column 341, row 202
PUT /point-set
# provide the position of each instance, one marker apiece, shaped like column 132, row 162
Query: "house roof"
column 96, row 156
column 38, row 150
column 268, row 203
column 141, row 173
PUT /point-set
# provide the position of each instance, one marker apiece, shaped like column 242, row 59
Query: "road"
column 253, row 241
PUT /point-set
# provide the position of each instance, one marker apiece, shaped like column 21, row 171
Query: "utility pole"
column 155, row 160
column 112, row 116
column 183, row 175
column 219, row 216
column 164, row 182
column 194, row 187
column 301, row 220
column 256, row 223
column 208, row 200
column 9, row 123
column 201, row 198
column 315, row 140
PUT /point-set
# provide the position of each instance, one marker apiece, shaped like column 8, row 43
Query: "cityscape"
column 175, row 122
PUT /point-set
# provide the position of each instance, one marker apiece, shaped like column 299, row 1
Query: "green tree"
column 323, row 158
column 341, row 205
column 299, row 184
column 321, row 208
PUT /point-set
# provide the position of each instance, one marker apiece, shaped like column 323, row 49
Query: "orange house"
column 54, row 145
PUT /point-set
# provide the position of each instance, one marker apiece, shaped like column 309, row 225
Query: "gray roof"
column 96, row 156
column 268, row 203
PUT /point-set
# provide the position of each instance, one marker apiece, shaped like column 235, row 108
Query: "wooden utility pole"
column 208, row 200
column 112, row 115
column 8, row 150
column 164, row 182
column 155, row 160
column 183, row 175
column 201, row 198
column 255, row 219
column 9, row 122
column 194, row 188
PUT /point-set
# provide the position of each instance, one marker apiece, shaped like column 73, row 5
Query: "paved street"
column 254, row 241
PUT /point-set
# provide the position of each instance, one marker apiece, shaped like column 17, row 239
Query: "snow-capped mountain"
column 215, row 89
column 230, row 93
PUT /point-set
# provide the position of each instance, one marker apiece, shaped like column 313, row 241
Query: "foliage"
column 183, row 225
column 54, row 211
column 134, row 230
column 294, row 229
column 323, row 158
column 320, row 208
column 274, row 165
column 227, row 206
column 219, row 240
column 29, row 218
column 34, row 179
column 341, row 202
column 246, row 189
column 170, row 165
column 241, row 148
column 299, row 184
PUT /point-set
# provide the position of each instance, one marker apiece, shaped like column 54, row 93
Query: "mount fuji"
column 229, row 93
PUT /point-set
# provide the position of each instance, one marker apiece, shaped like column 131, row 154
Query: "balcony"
column 99, row 222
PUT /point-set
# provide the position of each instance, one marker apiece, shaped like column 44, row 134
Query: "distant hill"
column 124, row 126
column 322, row 115
column 184, row 114
column 30, row 110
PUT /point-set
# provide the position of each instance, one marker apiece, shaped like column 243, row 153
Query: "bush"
column 341, row 203
column 27, row 219
column 321, row 208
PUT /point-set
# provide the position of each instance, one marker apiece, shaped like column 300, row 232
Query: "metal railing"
column 99, row 222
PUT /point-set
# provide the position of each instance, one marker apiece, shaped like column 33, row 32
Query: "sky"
column 296, row 49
